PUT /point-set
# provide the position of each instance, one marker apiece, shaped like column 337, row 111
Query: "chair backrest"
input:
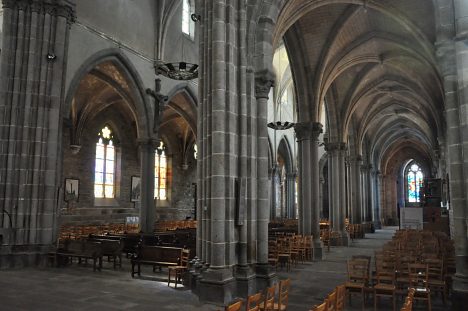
column 236, row 306
column 184, row 258
column 358, row 270
column 253, row 302
column 340, row 297
column 283, row 293
column 436, row 268
column 331, row 301
column 418, row 274
column 320, row 307
column 269, row 303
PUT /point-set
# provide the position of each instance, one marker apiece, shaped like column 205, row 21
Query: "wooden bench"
column 80, row 249
column 156, row 256
column 110, row 248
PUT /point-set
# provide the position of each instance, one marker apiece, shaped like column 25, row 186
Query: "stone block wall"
column 80, row 166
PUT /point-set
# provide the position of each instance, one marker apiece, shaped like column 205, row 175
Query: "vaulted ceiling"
column 373, row 64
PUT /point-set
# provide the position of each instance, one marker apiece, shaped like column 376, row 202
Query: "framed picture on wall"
column 135, row 190
column 72, row 189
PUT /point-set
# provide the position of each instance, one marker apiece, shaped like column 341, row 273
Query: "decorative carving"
column 160, row 101
column 264, row 81
column 335, row 146
column 303, row 130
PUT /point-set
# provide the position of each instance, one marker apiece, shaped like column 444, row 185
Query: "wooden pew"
column 80, row 249
column 156, row 256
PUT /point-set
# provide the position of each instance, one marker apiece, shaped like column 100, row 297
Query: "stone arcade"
column 377, row 90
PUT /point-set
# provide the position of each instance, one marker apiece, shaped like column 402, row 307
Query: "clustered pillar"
column 33, row 62
column 233, row 206
column 337, row 191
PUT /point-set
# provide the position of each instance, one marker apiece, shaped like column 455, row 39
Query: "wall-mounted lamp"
column 51, row 57
column 195, row 17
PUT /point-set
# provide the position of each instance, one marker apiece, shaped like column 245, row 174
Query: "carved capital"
column 303, row 130
column 264, row 81
column 63, row 8
column 335, row 146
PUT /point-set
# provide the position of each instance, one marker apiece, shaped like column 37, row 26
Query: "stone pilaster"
column 291, row 195
column 32, row 70
column 147, row 206
column 336, row 151
column 375, row 199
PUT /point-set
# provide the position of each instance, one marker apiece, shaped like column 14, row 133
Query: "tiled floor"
column 79, row 288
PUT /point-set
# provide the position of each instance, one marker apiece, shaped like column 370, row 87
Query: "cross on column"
column 160, row 101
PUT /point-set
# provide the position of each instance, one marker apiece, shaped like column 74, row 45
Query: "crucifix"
column 160, row 101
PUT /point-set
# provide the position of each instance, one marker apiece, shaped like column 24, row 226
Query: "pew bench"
column 80, row 249
column 156, row 256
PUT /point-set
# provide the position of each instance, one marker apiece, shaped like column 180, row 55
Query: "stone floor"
column 79, row 288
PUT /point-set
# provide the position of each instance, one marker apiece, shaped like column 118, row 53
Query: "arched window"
column 104, row 168
column 160, row 172
column 414, row 178
column 187, row 23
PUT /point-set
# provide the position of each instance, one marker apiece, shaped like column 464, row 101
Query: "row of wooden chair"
column 265, row 301
column 290, row 249
column 75, row 232
column 171, row 225
column 335, row 301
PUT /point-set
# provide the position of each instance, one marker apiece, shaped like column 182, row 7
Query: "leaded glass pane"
column 109, row 191
column 98, row 191
column 110, row 153
column 109, row 179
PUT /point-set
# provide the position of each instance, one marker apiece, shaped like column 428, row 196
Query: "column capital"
column 357, row 158
column 148, row 142
column 335, row 146
column 63, row 8
column 308, row 130
column 264, row 81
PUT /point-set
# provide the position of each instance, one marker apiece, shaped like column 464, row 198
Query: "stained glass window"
column 160, row 173
column 104, row 168
column 414, row 181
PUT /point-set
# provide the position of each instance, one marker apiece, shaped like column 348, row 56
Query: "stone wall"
column 80, row 166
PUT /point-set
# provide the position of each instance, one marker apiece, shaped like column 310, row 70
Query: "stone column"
column 355, row 181
column 315, row 189
column 453, row 62
column 337, row 190
column 290, row 195
column 32, row 70
column 147, row 206
column 303, row 134
column 264, row 81
column 378, row 202
column 368, row 177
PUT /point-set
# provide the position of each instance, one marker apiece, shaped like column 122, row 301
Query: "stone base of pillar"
column 246, row 281
column 20, row 256
column 216, row 286
column 317, row 251
column 265, row 276
column 459, row 293
column 341, row 239
column 377, row 224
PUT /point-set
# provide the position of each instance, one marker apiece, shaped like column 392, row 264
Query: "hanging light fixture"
column 177, row 70
column 280, row 125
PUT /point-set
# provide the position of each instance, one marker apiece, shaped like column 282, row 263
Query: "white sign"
column 411, row 218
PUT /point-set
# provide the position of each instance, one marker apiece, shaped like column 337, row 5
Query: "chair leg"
column 375, row 301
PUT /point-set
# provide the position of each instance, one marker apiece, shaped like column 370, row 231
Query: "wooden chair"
column 358, row 278
column 437, row 282
column 180, row 270
column 284, row 253
column 418, row 277
column 236, row 306
column 408, row 305
column 269, row 302
column 307, row 240
column 253, row 302
column 340, row 297
column 273, row 258
column 385, row 286
column 331, row 301
column 321, row 307
column 283, row 295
